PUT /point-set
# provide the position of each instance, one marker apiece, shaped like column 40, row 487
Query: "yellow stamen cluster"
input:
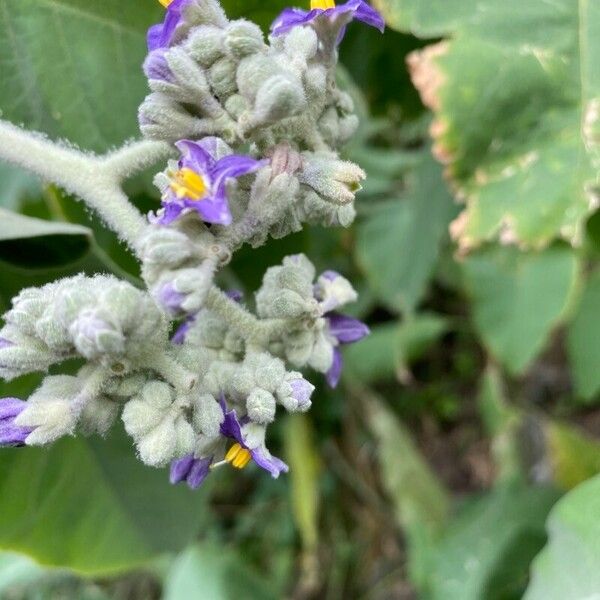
column 238, row 457
column 165, row 3
column 188, row 184
column 322, row 4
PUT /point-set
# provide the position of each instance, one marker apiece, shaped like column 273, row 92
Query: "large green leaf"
column 398, row 244
column 419, row 500
column 583, row 336
column 569, row 567
column 91, row 506
column 518, row 298
column 487, row 550
column 510, row 92
column 35, row 243
column 72, row 68
column 211, row 572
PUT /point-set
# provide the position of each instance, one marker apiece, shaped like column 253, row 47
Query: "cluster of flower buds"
column 256, row 126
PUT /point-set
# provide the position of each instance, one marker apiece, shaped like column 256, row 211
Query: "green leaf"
column 582, row 341
column 92, row 506
column 573, row 456
column 303, row 460
column 398, row 245
column 487, row 550
column 518, row 298
column 419, row 500
column 510, row 91
column 569, row 566
column 28, row 242
column 72, row 68
column 216, row 573
column 390, row 348
column 15, row 184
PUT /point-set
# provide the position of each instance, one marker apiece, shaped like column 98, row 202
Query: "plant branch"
column 95, row 179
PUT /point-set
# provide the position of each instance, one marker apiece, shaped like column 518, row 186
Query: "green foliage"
column 510, row 92
column 513, row 89
column 304, row 465
column 28, row 242
column 583, row 347
column 70, row 66
column 91, row 506
column 419, row 500
column 518, row 298
column 487, row 550
column 206, row 571
column 569, row 566
column 391, row 347
column 398, row 244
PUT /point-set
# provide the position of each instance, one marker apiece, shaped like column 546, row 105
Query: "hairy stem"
column 95, row 179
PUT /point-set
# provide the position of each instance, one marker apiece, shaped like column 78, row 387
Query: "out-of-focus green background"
column 458, row 459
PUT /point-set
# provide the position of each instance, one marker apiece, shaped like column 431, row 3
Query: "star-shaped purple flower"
column 233, row 428
column 340, row 15
column 194, row 470
column 161, row 35
column 11, row 434
column 199, row 182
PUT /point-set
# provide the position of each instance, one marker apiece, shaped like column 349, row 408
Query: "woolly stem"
column 256, row 332
column 168, row 368
column 94, row 179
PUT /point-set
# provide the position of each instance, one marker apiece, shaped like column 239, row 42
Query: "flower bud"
column 295, row 392
column 278, row 98
column 48, row 410
column 93, row 335
column 332, row 290
column 222, row 78
column 98, row 415
column 335, row 180
column 261, row 406
column 243, row 38
column 208, row 415
column 321, row 357
column 205, row 44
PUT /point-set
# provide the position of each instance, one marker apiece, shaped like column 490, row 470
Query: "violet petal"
column 346, row 329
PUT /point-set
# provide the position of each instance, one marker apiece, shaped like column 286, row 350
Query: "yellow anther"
column 188, row 184
column 238, row 457
column 165, row 3
column 322, row 4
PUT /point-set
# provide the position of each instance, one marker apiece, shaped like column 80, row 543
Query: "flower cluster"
column 254, row 127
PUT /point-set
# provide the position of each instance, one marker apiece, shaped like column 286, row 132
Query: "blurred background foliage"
column 467, row 417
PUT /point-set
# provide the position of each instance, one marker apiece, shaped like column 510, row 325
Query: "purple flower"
column 301, row 392
column 4, row 343
column 326, row 11
column 345, row 330
column 162, row 35
column 248, row 446
column 11, row 434
column 180, row 333
column 234, row 429
column 156, row 66
column 170, row 298
column 191, row 470
column 199, row 183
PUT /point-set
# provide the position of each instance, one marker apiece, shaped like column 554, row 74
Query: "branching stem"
column 95, row 179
